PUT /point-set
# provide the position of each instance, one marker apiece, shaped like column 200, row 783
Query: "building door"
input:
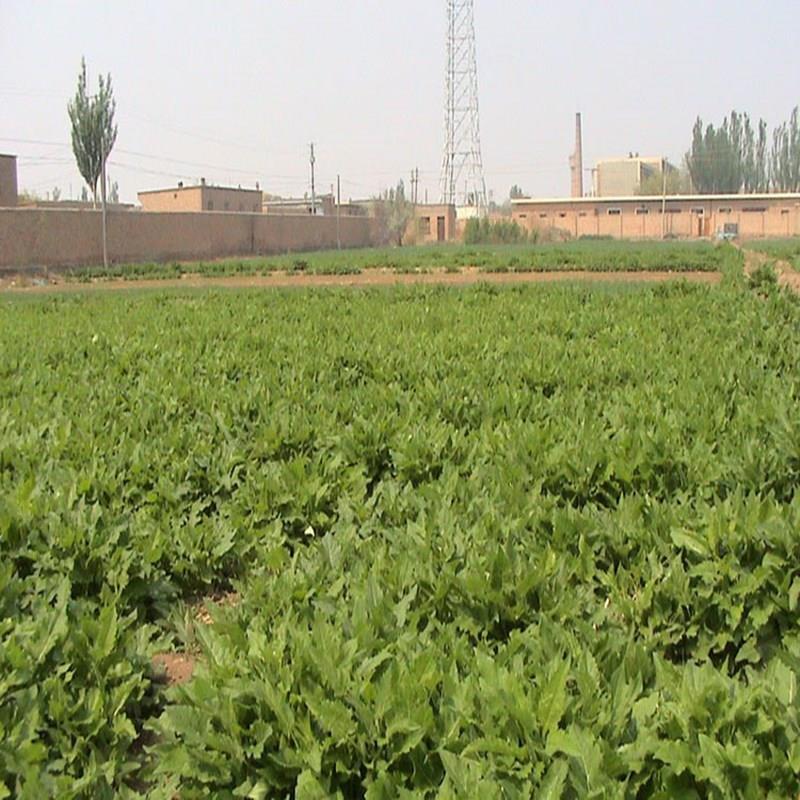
column 440, row 229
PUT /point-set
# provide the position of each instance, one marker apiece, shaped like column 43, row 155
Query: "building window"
column 210, row 205
column 699, row 211
column 523, row 216
column 542, row 216
column 425, row 226
column 785, row 211
column 754, row 210
column 562, row 214
column 642, row 211
column 725, row 210
column 614, row 212
column 175, row 196
column 581, row 213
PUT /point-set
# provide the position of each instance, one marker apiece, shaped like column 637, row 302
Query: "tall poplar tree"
column 94, row 130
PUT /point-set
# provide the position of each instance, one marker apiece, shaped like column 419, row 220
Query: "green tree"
column 94, row 131
column 730, row 158
column 516, row 192
column 678, row 182
column 785, row 155
column 394, row 213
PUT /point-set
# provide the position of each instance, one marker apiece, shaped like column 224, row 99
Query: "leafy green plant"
column 487, row 542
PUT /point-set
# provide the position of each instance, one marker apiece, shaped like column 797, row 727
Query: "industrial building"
column 322, row 205
column 680, row 216
column 623, row 177
column 203, row 197
column 8, row 181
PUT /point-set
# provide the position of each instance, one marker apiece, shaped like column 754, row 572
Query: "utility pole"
column 415, row 186
column 338, row 212
column 664, row 198
column 313, row 190
column 103, row 197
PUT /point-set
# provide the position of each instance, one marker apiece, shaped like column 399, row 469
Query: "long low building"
column 680, row 216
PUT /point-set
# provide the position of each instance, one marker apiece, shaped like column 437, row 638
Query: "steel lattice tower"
column 462, row 165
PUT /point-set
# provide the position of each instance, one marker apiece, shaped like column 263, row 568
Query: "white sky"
column 235, row 91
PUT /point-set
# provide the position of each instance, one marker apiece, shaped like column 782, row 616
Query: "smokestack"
column 576, row 161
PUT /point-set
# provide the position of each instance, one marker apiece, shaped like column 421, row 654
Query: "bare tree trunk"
column 103, row 196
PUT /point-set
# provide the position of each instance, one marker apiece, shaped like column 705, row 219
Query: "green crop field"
column 594, row 256
column 529, row 542
column 784, row 249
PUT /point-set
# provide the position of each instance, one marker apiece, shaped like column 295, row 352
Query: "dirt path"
column 376, row 277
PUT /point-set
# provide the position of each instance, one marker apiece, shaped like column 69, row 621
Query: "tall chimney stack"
column 576, row 160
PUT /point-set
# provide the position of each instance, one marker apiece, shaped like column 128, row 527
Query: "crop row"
column 594, row 256
column 526, row 542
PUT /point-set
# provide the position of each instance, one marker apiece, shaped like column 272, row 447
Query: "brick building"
column 684, row 216
column 8, row 181
column 203, row 197
column 433, row 223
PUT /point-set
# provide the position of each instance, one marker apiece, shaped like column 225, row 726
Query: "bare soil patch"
column 177, row 668
column 787, row 275
column 377, row 277
column 201, row 610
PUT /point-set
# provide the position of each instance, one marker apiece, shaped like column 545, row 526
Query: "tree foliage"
column 394, row 213
column 486, row 231
column 678, row 182
column 94, row 130
column 736, row 157
column 785, row 155
column 729, row 158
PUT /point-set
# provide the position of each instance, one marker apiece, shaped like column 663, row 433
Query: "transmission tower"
column 462, row 165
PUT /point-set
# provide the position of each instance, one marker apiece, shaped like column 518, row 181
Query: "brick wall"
column 759, row 217
column 47, row 237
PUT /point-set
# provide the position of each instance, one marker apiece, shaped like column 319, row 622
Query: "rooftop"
column 199, row 186
column 681, row 198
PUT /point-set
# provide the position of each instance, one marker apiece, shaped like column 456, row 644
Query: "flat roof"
column 631, row 159
column 657, row 198
column 6, row 155
column 198, row 186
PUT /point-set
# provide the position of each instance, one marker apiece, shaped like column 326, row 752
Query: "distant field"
column 783, row 249
column 596, row 256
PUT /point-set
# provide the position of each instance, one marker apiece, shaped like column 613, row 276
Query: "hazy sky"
column 235, row 91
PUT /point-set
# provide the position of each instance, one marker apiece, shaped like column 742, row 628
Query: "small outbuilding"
column 202, row 197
